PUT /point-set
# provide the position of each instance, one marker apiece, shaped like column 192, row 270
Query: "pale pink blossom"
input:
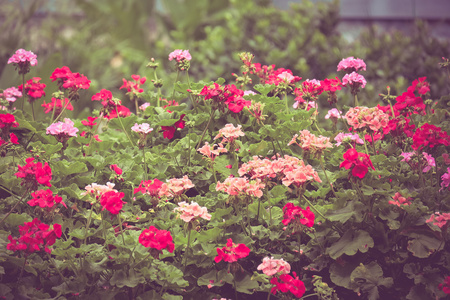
column 333, row 114
column 350, row 64
column 180, row 55
column 62, row 129
column 445, row 180
column 429, row 161
column 354, row 80
column 249, row 92
column 309, row 142
column 144, row 106
column 142, row 128
column 212, row 151
column 229, row 133
column 271, row 266
column 11, row 94
column 98, row 190
column 407, row 156
column 175, row 187
column 286, row 77
column 347, row 138
column 191, row 212
column 22, row 56
column 439, row 219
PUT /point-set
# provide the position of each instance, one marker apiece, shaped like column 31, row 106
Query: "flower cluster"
column 334, row 114
column 57, row 106
column 311, row 143
column 270, row 75
column 116, row 169
column 236, row 186
column 149, row 187
column 271, row 266
column 45, row 198
column 112, row 201
column 355, row 81
column 212, row 151
column 364, row 117
column 231, row 252
column 348, row 138
column 439, row 219
column 182, row 58
column 445, row 286
column 399, row 200
column 34, row 236
column 229, row 133
column 429, row 136
column 157, row 239
column 191, row 212
column 22, row 60
column 33, row 89
column 34, row 173
column 298, row 216
column 112, row 107
column 256, row 110
column 287, row 283
column 175, row 187
column 97, row 190
column 228, row 96
column 359, row 162
column 62, row 130
column 445, row 180
column 11, row 94
column 134, row 87
column 143, row 130
column 308, row 91
column 169, row 131
column 6, row 122
column 69, row 80
column 331, row 86
column 351, row 64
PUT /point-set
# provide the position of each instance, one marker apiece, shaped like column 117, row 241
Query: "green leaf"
column 340, row 273
column 121, row 279
column 350, row 243
column 260, row 148
column 167, row 296
column 423, row 245
column 246, row 285
column 342, row 215
column 368, row 278
column 15, row 220
column 64, row 168
column 264, row 89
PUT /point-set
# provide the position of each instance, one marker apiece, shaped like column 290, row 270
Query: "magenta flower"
column 348, row 138
column 430, row 162
column 355, row 81
column 351, row 64
column 11, row 94
column 180, row 55
column 445, row 180
column 22, row 60
column 334, row 114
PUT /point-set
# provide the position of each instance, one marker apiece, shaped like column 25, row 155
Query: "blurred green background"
column 110, row 40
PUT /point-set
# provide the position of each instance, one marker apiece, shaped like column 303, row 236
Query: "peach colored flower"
column 234, row 186
column 191, row 212
column 175, row 187
column 229, row 133
column 211, row 151
column 309, row 142
column 367, row 118
column 399, row 200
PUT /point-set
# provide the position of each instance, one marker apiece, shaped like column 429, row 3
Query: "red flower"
column 89, row 122
column 445, row 286
column 33, row 88
column 149, row 187
column 157, row 239
column 359, row 161
column 68, row 80
column 169, row 131
column 13, row 138
column 431, row 136
column 288, row 283
column 112, row 201
column 45, row 198
column 134, row 87
column 34, row 174
column 34, row 236
column 7, row 121
column 116, row 169
column 59, row 106
column 123, row 112
column 231, row 253
column 298, row 215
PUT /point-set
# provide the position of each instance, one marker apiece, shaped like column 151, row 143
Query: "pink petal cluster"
column 360, row 117
column 144, row 106
column 446, row 180
column 354, row 80
column 180, row 55
column 334, row 114
column 229, row 133
column 271, row 266
column 175, row 187
column 286, row 77
column 309, row 142
column 399, row 200
column 351, row 64
column 11, row 94
column 97, row 190
column 192, row 211
column 212, row 151
column 348, row 137
column 235, row 186
column 142, row 128
column 309, row 91
column 429, row 161
column 62, row 129
column 22, row 56
column 407, row 156
column 439, row 219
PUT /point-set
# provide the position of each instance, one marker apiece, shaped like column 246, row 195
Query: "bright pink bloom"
column 399, row 200
column 286, row 283
column 69, row 80
column 351, row 64
column 430, row 162
column 33, row 89
column 307, row 92
column 13, row 138
column 112, row 201
column 445, row 286
column 429, row 136
column 334, row 114
column 445, row 179
column 169, row 131
column 359, row 162
column 212, row 151
column 33, row 174
column 149, row 187
column 7, row 121
column 298, row 216
column 11, row 94
column 62, row 130
column 22, row 60
column 348, row 138
column 180, row 55
column 231, row 252
column 271, row 266
column 143, row 128
column 228, row 96
column 269, row 75
column 90, row 122
column 116, row 169
column 134, row 87
column 98, row 190
column 123, row 112
column 157, row 239
column 58, row 103
column 191, row 212
column 45, row 198
column 355, row 81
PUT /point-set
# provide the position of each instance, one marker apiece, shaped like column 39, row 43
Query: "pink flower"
column 311, row 143
column 144, row 106
column 348, row 138
column 407, row 156
column 446, row 179
column 143, row 128
column 175, row 187
column 361, row 117
column 62, row 130
column 211, row 151
column 11, row 94
column 430, row 162
column 351, row 64
column 399, row 200
column 134, row 87
column 354, row 80
column 439, row 219
column 229, row 133
column 116, row 169
column 271, row 266
column 231, row 252
column 23, row 56
column 286, row 77
column 180, row 55
column 98, row 190
column 234, row 186
column 334, row 114
column 191, row 212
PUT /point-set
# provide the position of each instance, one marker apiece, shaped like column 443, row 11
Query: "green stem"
column 213, row 171
column 373, row 144
column 326, row 176
column 120, row 120
column 356, row 100
column 32, row 110
column 190, row 95
column 189, row 142
column 315, row 294
column 56, row 268
column 320, row 214
column 206, row 128
column 176, row 80
column 121, row 229
column 259, row 205
column 15, row 205
column 286, row 101
column 64, row 108
column 145, row 164
column 148, row 255
column 136, row 104
column 299, row 240
column 87, row 225
column 23, row 91
column 248, row 222
column 158, row 103
column 187, row 247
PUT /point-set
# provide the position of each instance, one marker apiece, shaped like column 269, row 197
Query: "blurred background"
column 400, row 40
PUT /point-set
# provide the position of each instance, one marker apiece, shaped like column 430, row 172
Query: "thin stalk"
column 206, row 128
column 315, row 294
column 299, row 240
column 259, row 205
column 121, row 229
column 64, row 108
column 248, row 222
column 356, row 100
column 14, row 207
column 176, row 80
column 373, row 144
column 213, row 171
column 235, row 289
column 187, row 247
column 189, row 142
column 32, row 110
column 120, row 120
column 268, row 295
column 23, row 268
column 136, row 104
column 23, row 91
column 148, row 255
column 320, row 214
column 145, row 164
column 87, row 225
column 286, row 101
column 190, row 95
column 326, row 176
column 56, row 268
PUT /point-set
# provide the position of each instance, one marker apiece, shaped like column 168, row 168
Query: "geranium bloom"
column 298, row 216
column 23, row 59
column 33, row 174
column 97, row 190
column 407, row 156
column 334, row 114
column 180, row 55
column 149, row 187
column 90, row 122
column 175, row 187
column 445, row 286
column 231, row 252
column 355, row 81
column 241, row 186
column 429, row 136
column 420, row 85
column 33, row 89
column 359, row 162
column 229, row 96
column 271, row 266
column 348, row 138
column 143, row 128
column 307, row 92
column 311, row 143
column 116, row 169
column 408, row 102
column 212, row 151
column 6, row 122
column 57, row 105
column 69, row 80
column 439, row 219
column 112, row 201
column 445, row 179
column 399, row 200
column 11, row 94
column 157, row 239
column 363, row 117
column 331, row 86
column 430, row 162
column 169, row 131
column 144, row 106
column 269, row 75
column 45, row 198
column 351, row 64
column 62, row 130
column 34, row 236
column 134, row 87
column 191, row 212
column 286, row 283
column 123, row 112
column 229, row 133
